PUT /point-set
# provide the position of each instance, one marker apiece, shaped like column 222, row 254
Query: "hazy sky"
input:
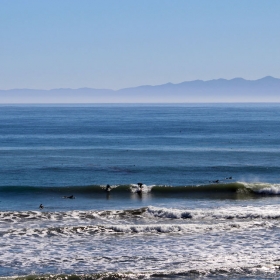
column 122, row 43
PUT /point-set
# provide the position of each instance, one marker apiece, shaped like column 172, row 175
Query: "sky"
column 116, row 44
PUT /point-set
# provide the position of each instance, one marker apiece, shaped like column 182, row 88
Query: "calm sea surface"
column 209, row 206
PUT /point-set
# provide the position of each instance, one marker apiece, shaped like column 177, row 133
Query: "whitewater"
column 209, row 207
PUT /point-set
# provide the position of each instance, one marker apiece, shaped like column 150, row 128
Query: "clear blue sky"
column 114, row 44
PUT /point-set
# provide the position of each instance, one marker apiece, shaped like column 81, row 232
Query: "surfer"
column 70, row 197
column 140, row 188
column 108, row 188
column 217, row 181
column 41, row 206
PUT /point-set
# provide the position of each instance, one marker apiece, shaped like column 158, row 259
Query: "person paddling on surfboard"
column 70, row 197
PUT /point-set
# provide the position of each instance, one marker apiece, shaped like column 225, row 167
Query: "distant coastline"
column 266, row 89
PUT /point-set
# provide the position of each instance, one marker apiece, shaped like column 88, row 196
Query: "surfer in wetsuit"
column 70, row 197
column 140, row 188
column 41, row 206
column 108, row 188
column 217, row 181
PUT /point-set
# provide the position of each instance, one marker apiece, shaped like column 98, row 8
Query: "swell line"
column 258, row 188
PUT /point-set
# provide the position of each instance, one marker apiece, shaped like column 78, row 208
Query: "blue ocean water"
column 209, row 206
column 166, row 145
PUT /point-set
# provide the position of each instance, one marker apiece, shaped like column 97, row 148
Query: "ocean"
column 209, row 207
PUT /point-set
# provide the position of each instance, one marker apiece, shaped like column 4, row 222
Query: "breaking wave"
column 265, row 212
column 262, row 271
column 146, row 220
column 27, row 216
column 257, row 188
column 150, row 213
column 136, row 229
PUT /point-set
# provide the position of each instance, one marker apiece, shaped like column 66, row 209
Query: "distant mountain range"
column 266, row 89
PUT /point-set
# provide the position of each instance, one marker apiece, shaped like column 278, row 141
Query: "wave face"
column 157, row 190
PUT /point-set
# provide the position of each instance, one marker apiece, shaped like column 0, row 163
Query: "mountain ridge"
column 266, row 89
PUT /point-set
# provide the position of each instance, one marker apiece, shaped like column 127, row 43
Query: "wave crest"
column 244, row 188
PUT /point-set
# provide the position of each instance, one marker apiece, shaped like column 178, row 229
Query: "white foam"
column 237, row 212
column 202, row 252
column 147, row 215
column 160, row 241
column 263, row 188
column 145, row 188
column 131, row 229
